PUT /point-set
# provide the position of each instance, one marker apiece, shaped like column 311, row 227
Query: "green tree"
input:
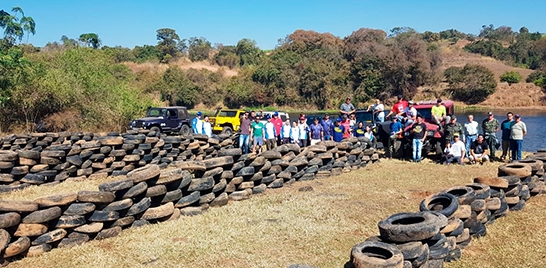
column 15, row 26
column 168, row 41
column 511, row 77
column 90, row 40
column 146, row 53
column 177, row 89
column 248, row 52
column 471, row 84
column 227, row 56
column 199, row 48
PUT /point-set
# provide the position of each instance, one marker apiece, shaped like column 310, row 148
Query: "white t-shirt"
column 457, row 149
column 377, row 107
column 471, row 128
column 410, row 112
column 269, row 130
column 207, row 128
column 295, row 133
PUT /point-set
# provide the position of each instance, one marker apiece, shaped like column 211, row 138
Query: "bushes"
column 471, row 84
column 511, row 77
column 538, row 78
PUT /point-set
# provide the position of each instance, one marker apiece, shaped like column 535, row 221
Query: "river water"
column 534, row 119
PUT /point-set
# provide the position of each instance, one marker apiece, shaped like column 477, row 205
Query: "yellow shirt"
column 438, row 110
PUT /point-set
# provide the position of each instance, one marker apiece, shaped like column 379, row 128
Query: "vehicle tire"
column 185, row 130
column 521, row 170
column 409, row 226
column 376, row 254
column 444, row 203
column 466, row 195
column 227, row 130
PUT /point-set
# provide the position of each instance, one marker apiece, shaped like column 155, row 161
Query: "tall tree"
column 90, row 40
column 199, row 48
column 15, row 25
column 168, row 42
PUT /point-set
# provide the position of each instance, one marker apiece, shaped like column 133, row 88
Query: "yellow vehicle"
column 226, row 121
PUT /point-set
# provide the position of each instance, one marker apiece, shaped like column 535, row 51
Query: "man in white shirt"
column 207, row 128
column 471, row 133
column 457, row 151
column 378, row 110
column 411, row 113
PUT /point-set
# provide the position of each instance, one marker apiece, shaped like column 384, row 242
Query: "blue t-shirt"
column 395, row 127
column 327, row 127
column 359, row 132
column 337, row 133
column 315, row 131
column 505, row 128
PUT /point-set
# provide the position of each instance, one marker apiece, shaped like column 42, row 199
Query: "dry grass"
column 183, row 63
column 318, row 228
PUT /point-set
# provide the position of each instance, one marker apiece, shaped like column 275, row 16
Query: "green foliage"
column 511, row 77
column 227, row 56
column 490, row 48
column 167, row 44
column 471, row 84
column 177, row 89
column 15, row 26
column 90, row 40
column 199, row 49
column 538, row 78
column 248, row 52
column 147, row 53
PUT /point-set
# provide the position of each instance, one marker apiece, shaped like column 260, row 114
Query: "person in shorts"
column 257, row 134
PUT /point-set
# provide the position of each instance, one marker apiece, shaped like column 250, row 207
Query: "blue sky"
column 130, row 23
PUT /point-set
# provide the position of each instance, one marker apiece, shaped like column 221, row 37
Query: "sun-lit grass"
column 318, row 228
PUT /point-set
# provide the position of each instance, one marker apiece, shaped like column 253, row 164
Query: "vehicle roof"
column 430, row 103
column 232, row 110
column 169, row 107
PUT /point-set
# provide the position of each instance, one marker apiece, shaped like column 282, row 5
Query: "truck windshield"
column 425, row 113
column 155, row 112
column 364, row 117
column 227, row 114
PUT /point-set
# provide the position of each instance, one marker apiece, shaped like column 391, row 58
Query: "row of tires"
column 155, row 193
column 447, row 221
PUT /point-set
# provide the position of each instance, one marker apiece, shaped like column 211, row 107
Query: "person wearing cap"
column 452, row 128
column 378, row 111
column 517, row 131
column 347, row 107
column 399, row 107
column 479, row 150
column 490, row 126
column 277, row 122
column 207, row 127
column 338, row 131
column 244, row 128
column 471, row 133
column 419, row 134
column 257, row 134
column 410, row 113
column 316, row 131
column 285, row 132
column 327, row 126
column 396, row 132
column 438, row 112
column 270, row 133
column 197, row 124
column 506, row 131
column 346, row 123
column 303, row 131
column 456, row 151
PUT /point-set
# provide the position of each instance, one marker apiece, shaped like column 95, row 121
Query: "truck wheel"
column 227, row 130
column 185, row 130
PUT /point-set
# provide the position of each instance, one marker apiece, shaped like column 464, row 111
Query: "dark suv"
column 165, row 119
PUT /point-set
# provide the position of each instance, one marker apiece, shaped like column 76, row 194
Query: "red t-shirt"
column 347, row 125
column 278, row 125
column 399, row 107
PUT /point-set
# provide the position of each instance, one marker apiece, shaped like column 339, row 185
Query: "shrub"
column 511, row 77
column 471, row 84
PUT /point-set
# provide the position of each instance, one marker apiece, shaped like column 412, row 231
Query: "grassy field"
column 318, row 228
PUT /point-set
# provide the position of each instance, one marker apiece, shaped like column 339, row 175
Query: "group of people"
column 465, row 141
column 201, row 126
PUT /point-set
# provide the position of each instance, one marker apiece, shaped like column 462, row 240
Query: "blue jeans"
column 468, row 141
column 515, row 146
column 243, row 142
column 417, row 148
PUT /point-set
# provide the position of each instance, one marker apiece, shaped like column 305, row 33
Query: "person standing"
column 517, row 131
column 471, row 133
column 418, row 132
column 295, row 133
column 490, row 126
column 399, row 107
column 257, row 134
column 396, row 131
column 316, row 131
column 277, row 122
column 285, row 132
column 378, row 111
column 506, row 131
column 327, row 126
column 303, row 132
column 346, row 123
column 197, row 124
column 207, row 127
column 452, row 128
column 244, row 128
column 270, row 133
column 338, row 131
column 347, row 107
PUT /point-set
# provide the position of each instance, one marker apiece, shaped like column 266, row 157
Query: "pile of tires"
column 449, row 219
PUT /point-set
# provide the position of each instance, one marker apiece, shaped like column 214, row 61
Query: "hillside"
column 184, row 64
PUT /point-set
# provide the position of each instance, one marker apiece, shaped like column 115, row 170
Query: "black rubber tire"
column 421, row 258
column 409, row 226
column 483, row 191
column 376, row 254
column 519, row 206
column 521, row 170
column 453, row 255
column 459, row 230
column 444, row 203
column 227, row 130
column 185, row 130
column 156, row 129
column 466, row 195
column 411, row 250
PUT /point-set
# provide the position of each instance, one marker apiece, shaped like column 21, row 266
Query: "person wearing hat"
column 327, row 126
column 490, row 126
column 456, row 151
column 505, row 135
column 316, row 131
column 197, row 124
column 303, row 131
column 257, row 134
column 270, row 133
column 244, row 128
column 479, row 150
column 396, row 132
column 399, row 107
column 347, row 107
column 452, row 128
column 517, row 131
column 338, row 130
column 438, row 112
column 277, row 122
column 410, row 113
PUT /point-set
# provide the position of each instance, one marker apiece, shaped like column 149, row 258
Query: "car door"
column 171, row 120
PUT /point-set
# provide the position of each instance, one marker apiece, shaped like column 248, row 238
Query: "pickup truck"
column 226, row 121
column 164, row 119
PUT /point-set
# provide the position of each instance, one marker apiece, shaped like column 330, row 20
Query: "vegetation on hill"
column 80, row 84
